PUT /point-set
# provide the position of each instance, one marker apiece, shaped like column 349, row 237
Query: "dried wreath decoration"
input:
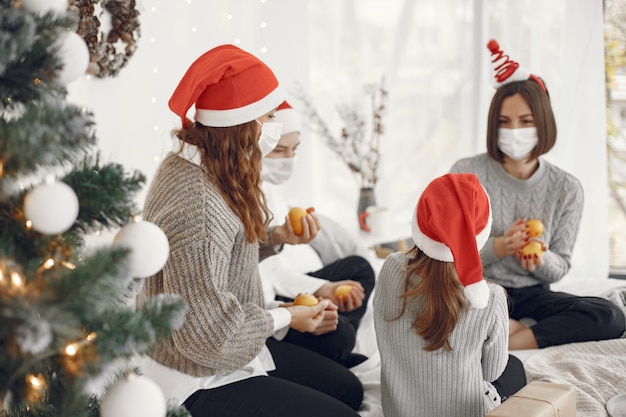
column 358, row 149
column 112, row 44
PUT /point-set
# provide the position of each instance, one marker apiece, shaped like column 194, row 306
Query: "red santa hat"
column 289, row 117
column 507, row 70
column 451, row 223
column 228, row 86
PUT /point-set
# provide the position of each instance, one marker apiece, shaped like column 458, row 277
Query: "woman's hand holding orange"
column 532, row 259
column 286, row 233
column 330, row 321
column 307, row 318
column 512, row 240
column 345, row 300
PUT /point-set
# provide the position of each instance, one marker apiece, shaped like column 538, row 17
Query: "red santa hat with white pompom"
column 451, row 223
column 507, row 70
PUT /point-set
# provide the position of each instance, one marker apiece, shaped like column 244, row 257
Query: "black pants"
column 512, row 379
column 565, row 318
column 338, row 345
column 304, row 384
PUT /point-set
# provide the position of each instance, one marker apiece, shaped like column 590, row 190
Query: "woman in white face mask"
column 206, row 197
column 330, row 260
column 522, row 185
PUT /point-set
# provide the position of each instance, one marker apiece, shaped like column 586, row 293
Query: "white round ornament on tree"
column 133, row 396
column 74, row 55
column 51, row 208
column 149, row 247
column 43, row 6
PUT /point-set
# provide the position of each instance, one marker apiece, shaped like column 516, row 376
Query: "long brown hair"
column 442, row 298
column 232, row 160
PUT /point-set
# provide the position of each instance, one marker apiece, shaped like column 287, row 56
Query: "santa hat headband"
column 451, row 223
column 507, row 70
column 228, row 86
column 289, row 117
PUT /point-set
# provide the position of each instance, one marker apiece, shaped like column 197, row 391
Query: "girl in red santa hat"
column 441, row 330
column 522, row 185
column 206, row 197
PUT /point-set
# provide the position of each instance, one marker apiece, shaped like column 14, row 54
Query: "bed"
column 596, row 369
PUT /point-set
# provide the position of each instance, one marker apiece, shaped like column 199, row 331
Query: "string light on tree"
column 17, row 282
column 37, row 386
column 72, row 349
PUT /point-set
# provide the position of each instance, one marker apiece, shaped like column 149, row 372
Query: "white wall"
column 434, row 57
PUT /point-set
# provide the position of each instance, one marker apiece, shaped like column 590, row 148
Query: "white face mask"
column 270, row 135
column 517, row 143
column 276, row 170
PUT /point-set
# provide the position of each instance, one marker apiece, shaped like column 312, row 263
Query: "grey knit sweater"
column 434, row 384
column 551, row 195
column 213, row 268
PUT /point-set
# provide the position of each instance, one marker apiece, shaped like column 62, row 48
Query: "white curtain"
column 433, row 56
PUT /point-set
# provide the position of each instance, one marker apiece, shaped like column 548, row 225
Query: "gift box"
column 539, row 399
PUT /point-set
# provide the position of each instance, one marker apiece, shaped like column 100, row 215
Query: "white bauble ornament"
column 52, row 208
column 74, row 55
column 149, row 247
column 133, row 396
column 43, row 6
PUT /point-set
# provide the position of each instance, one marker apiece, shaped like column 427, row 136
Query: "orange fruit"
column 295, row 217
column 534, row 227
column 305, row 300
column 343, row 291
column 532, row 248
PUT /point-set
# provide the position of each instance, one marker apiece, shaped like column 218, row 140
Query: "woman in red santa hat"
column 441, row 329
column 334, row 258
column 206, row 197
column 522, row 185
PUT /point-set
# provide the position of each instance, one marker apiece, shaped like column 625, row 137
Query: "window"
column 615, row 61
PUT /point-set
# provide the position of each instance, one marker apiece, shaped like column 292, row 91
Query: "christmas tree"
column 66, row 313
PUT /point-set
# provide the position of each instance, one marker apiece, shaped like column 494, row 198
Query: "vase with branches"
column 358, row 141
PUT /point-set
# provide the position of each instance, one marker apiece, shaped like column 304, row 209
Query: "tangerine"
column 295, row 217
column 533, row 248
column 343, row 291
column 534, row 227
column 305, row 299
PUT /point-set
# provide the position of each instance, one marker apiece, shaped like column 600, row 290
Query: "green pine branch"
column 106, row 201
column 105, row 194
column 63, row 305
column 45, row 134
column 65, row 296
column 28, row 59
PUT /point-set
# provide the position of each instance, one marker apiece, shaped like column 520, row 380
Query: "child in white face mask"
column 332, row 259
column 522, row 185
